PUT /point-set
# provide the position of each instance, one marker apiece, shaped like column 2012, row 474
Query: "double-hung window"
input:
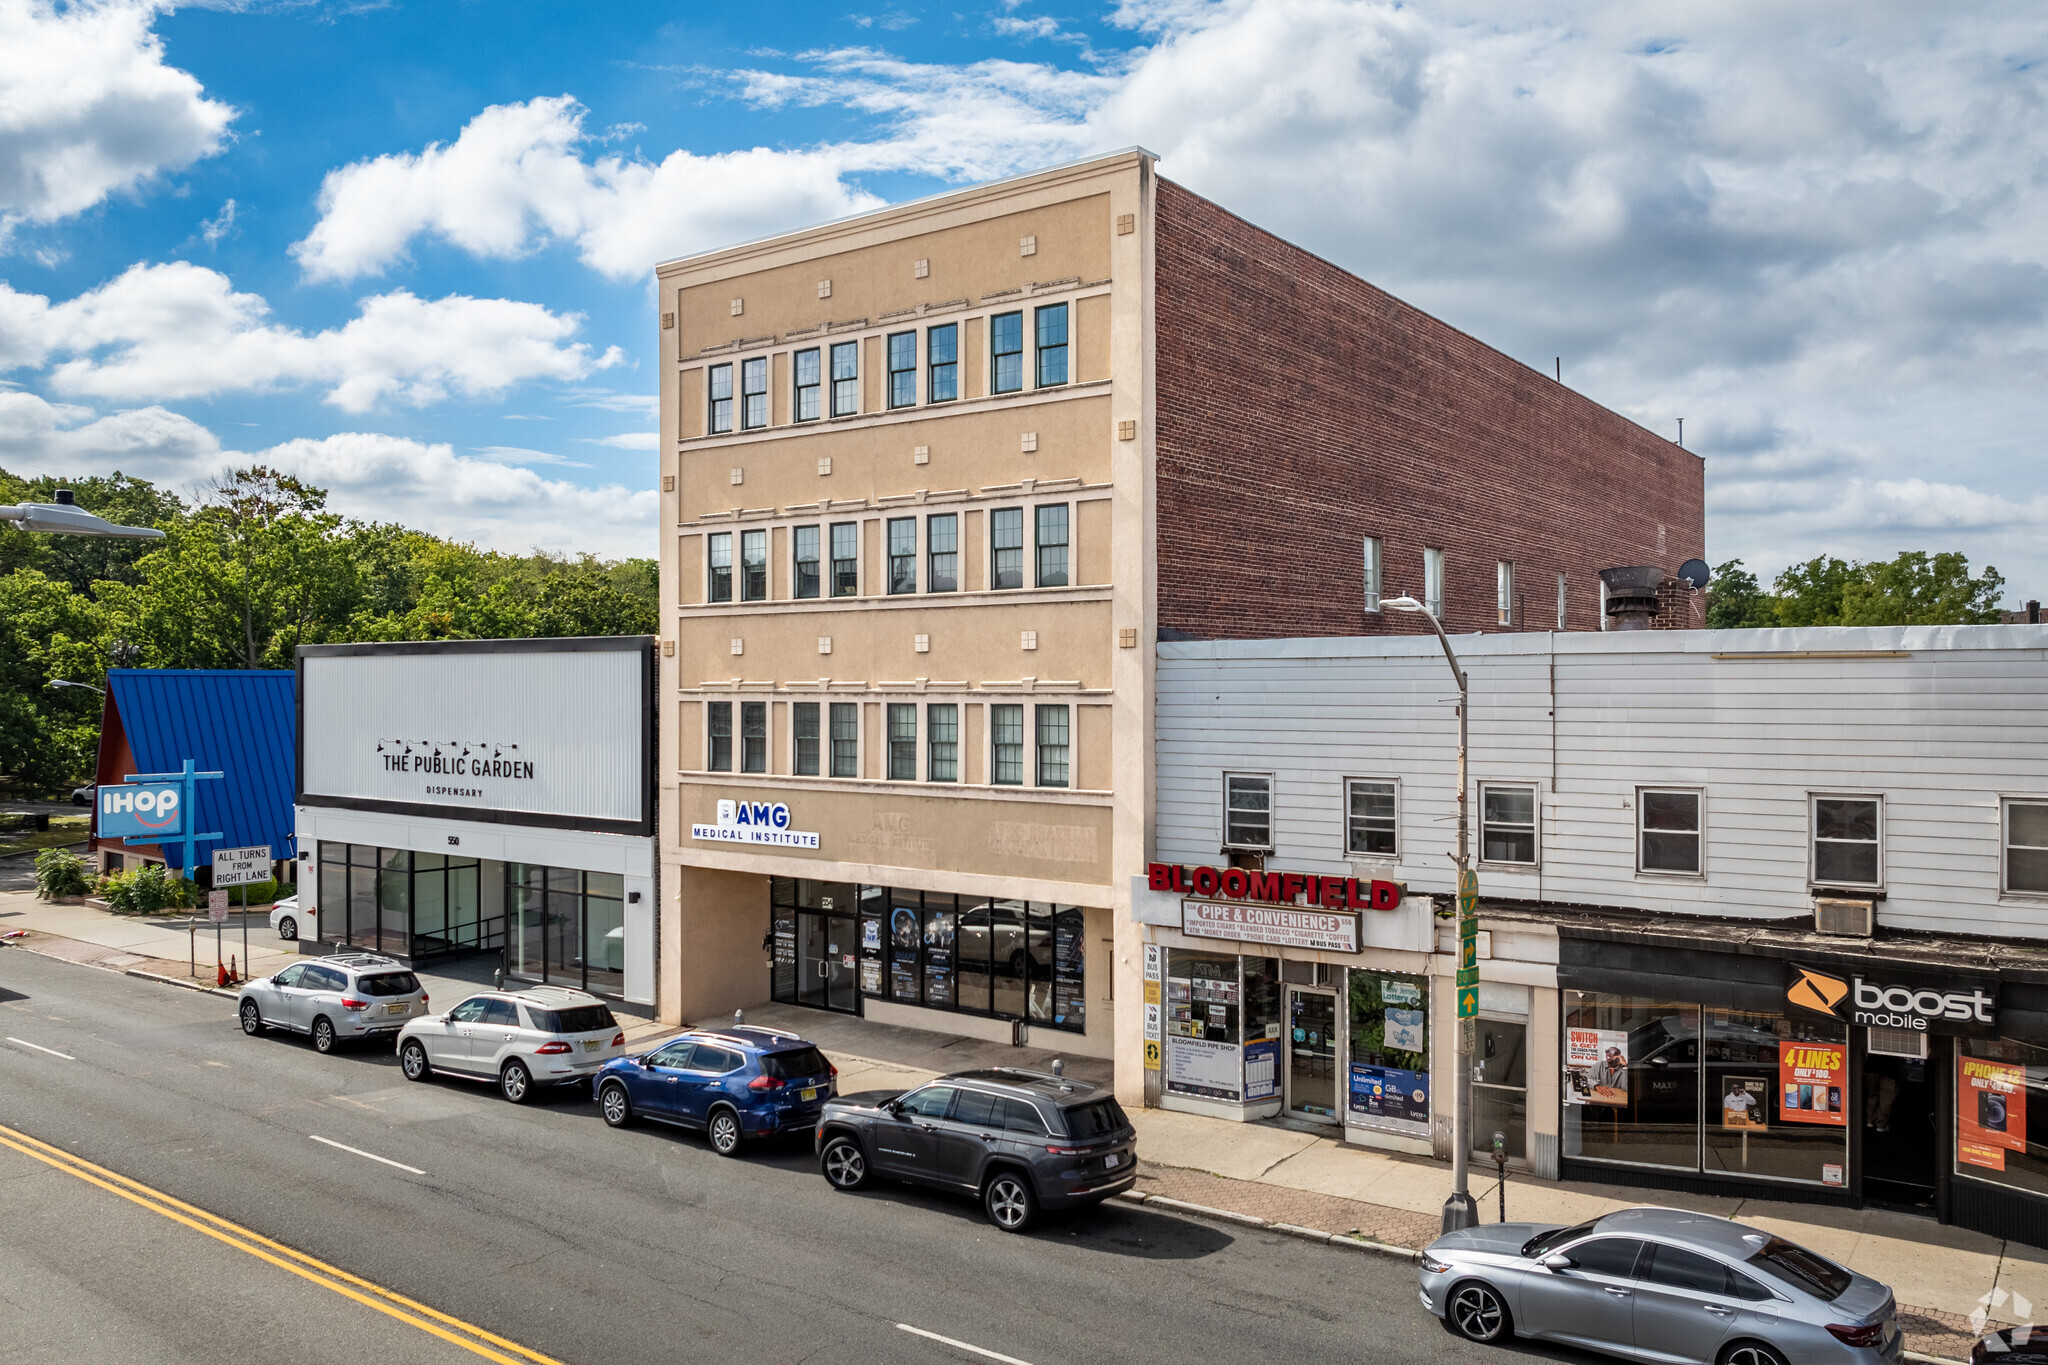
column 845, row 378
column 718, row 567
column 1006, row 547
column 1052, row 545
column 2026, row 847
column 718, row 736
column 1560, row 599
column 1372, row 819
column 1507, row 824
column 1247, row 811
column 754, row 393
column 902, row 554
column 720, row 407
column 1504, row 593
column 942, row 550
column 1054, row 746
column 803, row 724
column 942, row 361
column 1433, row 583
column 1006, row 737
column 903, row 369
column 805, row 541
column 942, row 742
column 1373, row 550
column 1006, row 352
column 902, row 742
column 1052, row 345
column 753, row 736
column 845, row 739
column 809, row 385
column 1848, row 833
column 845, row 558
column 1668, row 832
column 753, row 566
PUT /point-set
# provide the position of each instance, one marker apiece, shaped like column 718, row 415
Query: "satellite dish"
column 1694, row 572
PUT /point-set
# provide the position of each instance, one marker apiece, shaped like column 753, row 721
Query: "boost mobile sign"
column 1891, row 1001
column 141, row 810
column 754, row 822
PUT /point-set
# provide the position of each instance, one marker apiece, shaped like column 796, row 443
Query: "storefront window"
column 604, row 933
column 2001, row 1107
column 568, row 927
column 1500, row 1070
column 1203, row 1053
column 1632, row 1080
column 1010, row 959
column 390, row 900
column 1776, row 1097
column 938, row 952
column 1389, row 1082
column 1264, row 1017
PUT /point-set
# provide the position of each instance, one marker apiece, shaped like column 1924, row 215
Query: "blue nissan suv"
column 737, row 1083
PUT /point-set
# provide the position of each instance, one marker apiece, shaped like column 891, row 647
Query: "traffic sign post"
column 243, row 867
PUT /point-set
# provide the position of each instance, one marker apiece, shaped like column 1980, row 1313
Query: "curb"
column 1917, row 1358
column 161, row 979
column 1334, row 1239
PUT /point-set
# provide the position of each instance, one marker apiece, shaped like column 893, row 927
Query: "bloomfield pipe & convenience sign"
column 1275, row 888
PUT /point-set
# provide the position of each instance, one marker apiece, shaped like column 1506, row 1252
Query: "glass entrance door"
column 826, row 956
column 1312, row 1054
column 1500, row 1088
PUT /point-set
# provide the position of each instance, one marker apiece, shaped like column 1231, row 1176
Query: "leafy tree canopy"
column 1915, row 589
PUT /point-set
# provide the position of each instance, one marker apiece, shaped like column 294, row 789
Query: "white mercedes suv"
column 545, row 1035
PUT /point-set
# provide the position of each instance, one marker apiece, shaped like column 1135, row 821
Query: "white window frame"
column 825, row 739
column 1073, row 718
column 916, row 742
column 1504, row 591
column 1433, row 583
column 824, row 735
column 988, row 745
column 1373, row 550
column 1813, row 800
column 1563, row 599
column 2005, row 805
column 1699, row 794
column 1271, row 833
column 732, row 733
column 1351, row 853
column 1535, row 791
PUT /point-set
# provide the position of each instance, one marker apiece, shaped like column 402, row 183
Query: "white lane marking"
column 40, row 1048
column 357, row 1151
column 981, row 1351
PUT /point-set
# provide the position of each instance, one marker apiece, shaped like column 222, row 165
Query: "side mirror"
column 646, row 1060
column 1557, row 1262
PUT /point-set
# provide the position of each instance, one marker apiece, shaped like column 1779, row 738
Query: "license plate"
column 811, row 1094
column 1111, row 1160
column 396, row 1009
column 592, row 1044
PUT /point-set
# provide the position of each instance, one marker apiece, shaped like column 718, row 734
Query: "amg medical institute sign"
column 754, row 822
column 1285, row 909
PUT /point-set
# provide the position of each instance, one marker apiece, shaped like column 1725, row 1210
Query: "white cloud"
column 526, row 455
column 89, row 109
column 629, row 440
column 179, row 330
column 219, row 227
column 40, row 437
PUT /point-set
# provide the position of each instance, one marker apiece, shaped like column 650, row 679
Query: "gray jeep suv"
column 1019, row 1140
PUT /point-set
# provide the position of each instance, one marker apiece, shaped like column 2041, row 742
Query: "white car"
column 545, row 1035
column 337, row 999
column 288, row 921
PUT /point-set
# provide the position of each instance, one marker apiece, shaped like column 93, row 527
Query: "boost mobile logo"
column 1813, row 991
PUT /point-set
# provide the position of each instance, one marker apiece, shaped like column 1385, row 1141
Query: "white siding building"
column 1662, row 824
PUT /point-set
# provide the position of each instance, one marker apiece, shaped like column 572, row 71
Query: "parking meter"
column 1500, row 1165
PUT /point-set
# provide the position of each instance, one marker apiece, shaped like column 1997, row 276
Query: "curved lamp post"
column 1459, row 1210
column 66, row 517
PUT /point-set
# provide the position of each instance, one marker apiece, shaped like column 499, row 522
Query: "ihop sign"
column 141, row 810
column 754, row 822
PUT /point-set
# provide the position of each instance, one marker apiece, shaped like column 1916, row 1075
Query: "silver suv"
column 343, row 998
column 546, row 1035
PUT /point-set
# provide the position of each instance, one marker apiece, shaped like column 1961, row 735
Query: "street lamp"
column 1459, row 1210
column 66, row 517
column 62, row 682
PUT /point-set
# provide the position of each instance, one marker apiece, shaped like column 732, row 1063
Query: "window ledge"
column 1057, row 796
column 1078, row 388
column 897, row 601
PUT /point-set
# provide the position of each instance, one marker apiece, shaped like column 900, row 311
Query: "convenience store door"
column 1312, row 1054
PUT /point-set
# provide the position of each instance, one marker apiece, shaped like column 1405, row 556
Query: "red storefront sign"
column 1991, row 1111
column 1276, row 888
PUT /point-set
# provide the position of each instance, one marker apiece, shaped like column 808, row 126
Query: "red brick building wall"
column 1300, row 410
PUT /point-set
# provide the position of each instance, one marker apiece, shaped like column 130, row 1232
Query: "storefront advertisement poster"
column 871, row 977
column 1261, row 1070
column 1812, row 1080
column 1991, row 1111
column 1385, row 1092
column 1196, row 1066
column 1596, row 1066
column 1745, row 1102
column 1403, row 1031
column 1394, row 992
column 871, row 933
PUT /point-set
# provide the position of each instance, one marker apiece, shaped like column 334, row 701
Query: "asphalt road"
column 541, row 1225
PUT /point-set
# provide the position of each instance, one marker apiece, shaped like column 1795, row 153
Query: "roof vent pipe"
column 1632, row 596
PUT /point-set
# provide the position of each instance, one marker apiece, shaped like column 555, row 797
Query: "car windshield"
column 389, row 983
column 1801, row 1269
column 1097, row 1118
column 1543, row 1243
column 796, row 1064
column 581, row 1019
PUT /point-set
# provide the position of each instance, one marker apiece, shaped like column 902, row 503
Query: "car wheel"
column 323, row 1035
column 252, row 1018
column 844, row 1164
column 1476, row 1312
column 515, row 1082
column 1750, row 1353
column 287, row 929
column 412, row 1060
column 613, row 1104
column 723, row 1128
column 1010, row 1203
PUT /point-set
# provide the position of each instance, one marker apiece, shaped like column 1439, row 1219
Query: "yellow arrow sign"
column 1468, row 1002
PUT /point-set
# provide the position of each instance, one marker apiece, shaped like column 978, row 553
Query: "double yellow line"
column 454, row 1330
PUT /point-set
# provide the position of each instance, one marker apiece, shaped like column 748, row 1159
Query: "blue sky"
column 1814, row 234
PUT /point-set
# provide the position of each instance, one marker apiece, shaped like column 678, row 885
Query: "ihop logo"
column 140, row 809
column 753, row 815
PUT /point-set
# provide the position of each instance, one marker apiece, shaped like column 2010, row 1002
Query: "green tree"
column 1810, row 594
column 47, row 736
column 1918, row 589
column 1736, row 601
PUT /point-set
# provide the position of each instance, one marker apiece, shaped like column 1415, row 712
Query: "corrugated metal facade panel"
column 234, row 721
column 1941, row 732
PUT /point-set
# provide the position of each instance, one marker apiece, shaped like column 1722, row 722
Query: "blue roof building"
column 240, row 722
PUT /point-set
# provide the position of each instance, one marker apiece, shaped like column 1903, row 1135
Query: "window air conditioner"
column 1896, row 1042
column 1844, row 918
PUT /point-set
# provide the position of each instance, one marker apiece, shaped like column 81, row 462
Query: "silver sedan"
column 1660, row 1285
